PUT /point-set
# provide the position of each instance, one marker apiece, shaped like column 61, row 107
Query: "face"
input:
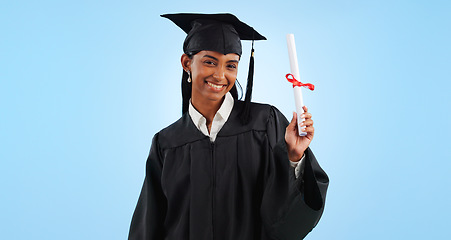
column 213, row 74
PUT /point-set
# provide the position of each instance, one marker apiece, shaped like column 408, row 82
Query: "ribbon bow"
column 295, row 82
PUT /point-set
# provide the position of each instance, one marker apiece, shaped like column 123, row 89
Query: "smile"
column 215, row 86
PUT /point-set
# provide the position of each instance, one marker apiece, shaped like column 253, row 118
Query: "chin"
column 216, row 96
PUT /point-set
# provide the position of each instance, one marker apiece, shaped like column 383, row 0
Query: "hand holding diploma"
column 300, row 131
column 296, row 144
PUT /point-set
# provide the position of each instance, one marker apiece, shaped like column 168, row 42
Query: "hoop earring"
column 241, row 89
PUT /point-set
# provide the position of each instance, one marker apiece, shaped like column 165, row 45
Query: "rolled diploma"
column 297, row 90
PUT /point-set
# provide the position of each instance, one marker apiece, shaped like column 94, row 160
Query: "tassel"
column 245, row 114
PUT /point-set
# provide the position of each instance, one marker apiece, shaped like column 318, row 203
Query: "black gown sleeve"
column 148, row 218
column 291, row 207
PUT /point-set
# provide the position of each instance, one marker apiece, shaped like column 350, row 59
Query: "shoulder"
column 183, row 131
column 179, row 133
column 262, row 115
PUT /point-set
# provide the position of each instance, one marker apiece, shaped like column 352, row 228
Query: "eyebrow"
column 209, row 56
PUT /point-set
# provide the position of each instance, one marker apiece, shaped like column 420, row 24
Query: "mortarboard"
column 220, row 32
column 214, row 32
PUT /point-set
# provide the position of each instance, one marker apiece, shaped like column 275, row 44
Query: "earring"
column 189, row 76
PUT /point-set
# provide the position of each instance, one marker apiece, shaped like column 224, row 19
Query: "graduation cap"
column 221, row 33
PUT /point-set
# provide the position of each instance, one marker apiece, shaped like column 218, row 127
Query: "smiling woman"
column 213, row 74
column 227, row 169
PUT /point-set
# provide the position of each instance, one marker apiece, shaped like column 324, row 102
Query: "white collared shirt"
column 219, row 120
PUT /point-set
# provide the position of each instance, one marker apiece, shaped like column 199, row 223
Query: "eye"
column 209, row 62
column 233, row 66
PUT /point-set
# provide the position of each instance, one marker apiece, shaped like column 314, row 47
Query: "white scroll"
column 297, row 90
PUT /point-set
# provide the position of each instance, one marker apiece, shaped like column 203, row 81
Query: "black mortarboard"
column 214, row 32
column 220, row 32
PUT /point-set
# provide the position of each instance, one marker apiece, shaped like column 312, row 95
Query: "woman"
column 226, row 168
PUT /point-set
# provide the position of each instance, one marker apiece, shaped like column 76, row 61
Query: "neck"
column 208, row 109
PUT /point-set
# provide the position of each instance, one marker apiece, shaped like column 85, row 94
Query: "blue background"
column 86, row 84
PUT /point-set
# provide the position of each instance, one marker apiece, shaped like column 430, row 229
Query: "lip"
column 215, row 87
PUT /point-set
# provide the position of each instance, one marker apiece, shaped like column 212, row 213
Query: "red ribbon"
column 299, row 84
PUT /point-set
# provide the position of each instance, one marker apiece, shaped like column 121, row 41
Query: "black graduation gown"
column 239, row 187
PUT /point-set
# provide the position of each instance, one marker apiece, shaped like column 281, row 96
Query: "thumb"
column 292, row 124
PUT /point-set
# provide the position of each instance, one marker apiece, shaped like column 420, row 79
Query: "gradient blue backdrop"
column 86, row 84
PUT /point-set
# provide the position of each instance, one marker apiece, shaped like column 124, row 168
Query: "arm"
column 149, row 215
column 300, row 202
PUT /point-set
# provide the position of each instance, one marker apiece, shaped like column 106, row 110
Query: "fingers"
column 292, row 124
column 307, row 118
column 307, row 122
column 310, row 129
column 308, row 126
column 306, row 114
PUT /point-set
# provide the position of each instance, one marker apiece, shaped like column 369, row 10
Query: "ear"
column 186, row 62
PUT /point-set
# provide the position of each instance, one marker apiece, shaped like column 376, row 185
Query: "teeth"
column 215, row 86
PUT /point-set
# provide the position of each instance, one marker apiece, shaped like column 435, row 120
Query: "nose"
column 219, row 74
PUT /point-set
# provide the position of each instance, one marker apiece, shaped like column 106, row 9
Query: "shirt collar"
column 223, row 112
column 226, row 107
